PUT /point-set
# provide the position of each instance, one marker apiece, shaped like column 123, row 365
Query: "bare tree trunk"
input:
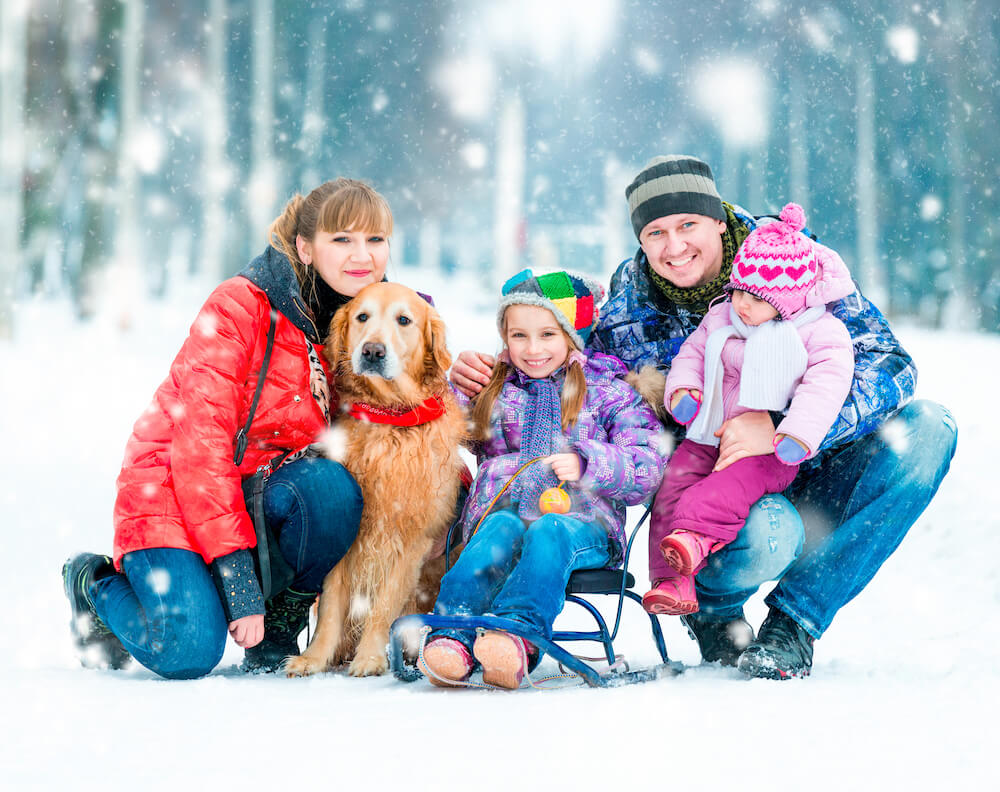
column 125, row 283
column 13, row 46
column 94, row 118
column 613, row 233
column 798, row 143
column 870, row 270
column 262, row 194
column 314, row 121
column 959, row 312
column 509, row 202
column 216, row 174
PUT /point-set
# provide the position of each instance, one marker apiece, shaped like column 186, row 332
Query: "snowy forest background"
column 146, row 143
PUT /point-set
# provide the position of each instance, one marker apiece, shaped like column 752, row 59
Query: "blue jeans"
column 313, row 505
column 520, row 571
column 165, row 608
column 856, row 507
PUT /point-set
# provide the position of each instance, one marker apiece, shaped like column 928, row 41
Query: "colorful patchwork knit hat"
column 777, row 263
column 572, row 298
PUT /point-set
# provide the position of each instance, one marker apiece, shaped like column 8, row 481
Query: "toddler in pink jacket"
column 773, row 346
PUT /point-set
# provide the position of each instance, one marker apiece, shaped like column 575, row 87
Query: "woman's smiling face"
column 347, row 260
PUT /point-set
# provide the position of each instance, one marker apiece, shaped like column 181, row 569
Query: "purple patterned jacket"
column 616, row 434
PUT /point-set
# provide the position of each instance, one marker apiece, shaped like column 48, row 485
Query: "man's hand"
column 749, row 434
column 567, row 467
column 471, row 371
column 248, row 631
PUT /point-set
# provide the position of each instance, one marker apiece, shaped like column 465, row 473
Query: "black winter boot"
column 98, row 646
column 285, row 617
column 783, row 650
column 719, row 641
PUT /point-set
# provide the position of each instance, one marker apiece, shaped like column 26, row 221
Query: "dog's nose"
column 373, row 351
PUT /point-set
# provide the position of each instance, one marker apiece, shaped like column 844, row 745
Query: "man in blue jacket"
column 849, row 507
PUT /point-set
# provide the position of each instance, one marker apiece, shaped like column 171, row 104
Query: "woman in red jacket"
column 188, row 563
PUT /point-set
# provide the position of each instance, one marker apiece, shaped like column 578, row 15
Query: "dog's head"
column 388, row 344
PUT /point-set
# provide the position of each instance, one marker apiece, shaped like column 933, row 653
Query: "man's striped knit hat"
column 677, row 184
column 571, row 297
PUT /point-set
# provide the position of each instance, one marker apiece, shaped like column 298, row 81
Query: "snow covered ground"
column 903, row 695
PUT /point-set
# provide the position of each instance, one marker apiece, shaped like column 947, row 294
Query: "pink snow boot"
column 504, row 658
column 445, row 661
column 685, row 551
column 674, row 596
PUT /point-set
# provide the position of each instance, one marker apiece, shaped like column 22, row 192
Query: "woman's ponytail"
column 283, row 231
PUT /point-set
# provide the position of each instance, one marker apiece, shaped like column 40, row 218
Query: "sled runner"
column 582, row 583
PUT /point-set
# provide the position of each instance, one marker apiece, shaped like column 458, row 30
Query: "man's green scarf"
column 697, row 298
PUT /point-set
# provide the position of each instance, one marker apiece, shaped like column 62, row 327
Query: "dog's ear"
column 437, row 359
column 336, row 340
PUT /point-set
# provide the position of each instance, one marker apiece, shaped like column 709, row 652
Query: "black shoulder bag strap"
column 240, row 441
column 258, row 480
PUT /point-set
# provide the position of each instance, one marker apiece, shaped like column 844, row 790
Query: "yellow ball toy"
column 554, row 500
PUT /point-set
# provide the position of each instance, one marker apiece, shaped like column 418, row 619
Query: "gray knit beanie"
column 677, row 184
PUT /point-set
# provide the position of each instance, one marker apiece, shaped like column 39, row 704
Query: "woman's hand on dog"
column 567, row 467
column 247, row 631
column 471, row 371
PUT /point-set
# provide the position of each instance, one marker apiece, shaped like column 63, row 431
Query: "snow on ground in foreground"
column 903, row 692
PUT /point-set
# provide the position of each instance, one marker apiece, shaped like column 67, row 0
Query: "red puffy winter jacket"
column 178, row 486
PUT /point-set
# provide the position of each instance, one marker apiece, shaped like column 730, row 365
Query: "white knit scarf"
column 774, row 361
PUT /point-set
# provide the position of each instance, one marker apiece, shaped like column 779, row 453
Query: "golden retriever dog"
column 387, row 349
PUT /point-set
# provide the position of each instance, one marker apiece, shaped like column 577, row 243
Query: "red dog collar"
column 424, row 412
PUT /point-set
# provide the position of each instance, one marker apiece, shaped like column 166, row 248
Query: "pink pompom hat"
column 783, row 266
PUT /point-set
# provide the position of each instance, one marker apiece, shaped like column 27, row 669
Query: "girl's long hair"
column 338, row 205
column 571, row 397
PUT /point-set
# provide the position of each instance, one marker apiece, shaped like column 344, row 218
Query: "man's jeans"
column 165, row 608
column 520, row 571
column 857, row 506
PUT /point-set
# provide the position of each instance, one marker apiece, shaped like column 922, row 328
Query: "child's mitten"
column 686, row 409
column 789, row 451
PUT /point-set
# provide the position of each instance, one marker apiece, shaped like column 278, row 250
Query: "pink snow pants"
column 693, row 498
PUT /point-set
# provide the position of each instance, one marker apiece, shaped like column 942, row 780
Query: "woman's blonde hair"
column 571, row 396
column 338, row 205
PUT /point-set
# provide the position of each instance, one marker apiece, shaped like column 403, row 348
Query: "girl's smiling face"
column 347, row 260
column 536, row 343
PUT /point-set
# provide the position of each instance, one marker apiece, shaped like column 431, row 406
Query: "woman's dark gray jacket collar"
column 272, row 272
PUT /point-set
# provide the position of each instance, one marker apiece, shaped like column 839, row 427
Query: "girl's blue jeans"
column 520, row 571
column 856, row 507
column 165, row 608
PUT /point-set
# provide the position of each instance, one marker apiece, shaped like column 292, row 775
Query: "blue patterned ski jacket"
column 639, row 325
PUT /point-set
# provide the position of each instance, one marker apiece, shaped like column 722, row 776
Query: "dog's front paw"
column 368, row 665
column 301, row 665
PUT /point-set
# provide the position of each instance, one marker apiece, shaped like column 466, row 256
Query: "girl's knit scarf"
column 542, row 426
column 698, row 298
column 774, row 361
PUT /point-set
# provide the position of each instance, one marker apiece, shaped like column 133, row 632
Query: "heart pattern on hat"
column 777, row 263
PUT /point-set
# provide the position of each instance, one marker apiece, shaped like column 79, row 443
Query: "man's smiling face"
column 686, row 249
